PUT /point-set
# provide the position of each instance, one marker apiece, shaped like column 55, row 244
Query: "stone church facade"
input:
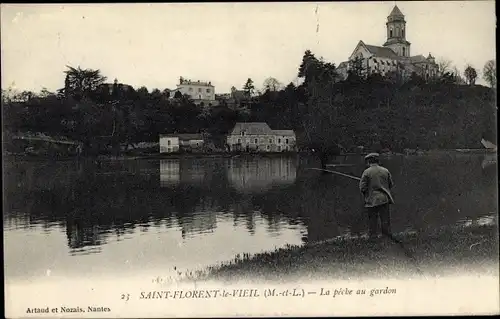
column 394, row 56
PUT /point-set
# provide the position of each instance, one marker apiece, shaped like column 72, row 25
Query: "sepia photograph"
column 249, row 159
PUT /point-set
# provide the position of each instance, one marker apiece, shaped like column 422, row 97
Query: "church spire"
column 396, row 33
column 396, row 14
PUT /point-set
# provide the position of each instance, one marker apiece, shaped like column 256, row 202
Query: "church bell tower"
column 396, row 33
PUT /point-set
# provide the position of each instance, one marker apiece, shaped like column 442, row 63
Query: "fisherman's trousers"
column 374, row 213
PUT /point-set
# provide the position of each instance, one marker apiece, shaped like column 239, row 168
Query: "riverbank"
column 149, row 155
column 460, row 250
column 146, row 156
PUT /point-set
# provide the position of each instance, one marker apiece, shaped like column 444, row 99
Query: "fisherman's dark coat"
column 375, row 185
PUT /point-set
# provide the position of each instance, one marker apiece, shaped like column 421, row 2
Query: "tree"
column 356, row 69
column 115, row 93
column 178, row 95
column 156, row 94
column 327, row 72
column 45, row 93
column 470, row 75
column 271, row 84
column 249, row 88
column 443, row 66
column 80, row 82
column 490, row 73
column 142, row 92
column 309, row 67
column 457, row 78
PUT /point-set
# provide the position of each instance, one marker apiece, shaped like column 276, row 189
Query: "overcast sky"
column 153, row 45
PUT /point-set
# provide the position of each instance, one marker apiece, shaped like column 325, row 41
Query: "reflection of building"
column 394, row 55
column 169, row 172
column 82, row 236
column 259, row 137
column 171, row 143
column 176, row 171
column 204, row 221
column 259, row 174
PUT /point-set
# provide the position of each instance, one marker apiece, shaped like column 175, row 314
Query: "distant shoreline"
column 233, row 155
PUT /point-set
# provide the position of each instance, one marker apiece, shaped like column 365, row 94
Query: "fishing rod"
column 338, row 173
column 390, row 236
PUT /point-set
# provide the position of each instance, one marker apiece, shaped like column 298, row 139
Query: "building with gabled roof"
column 251, row 128
column 259, row 137
column 393, row 56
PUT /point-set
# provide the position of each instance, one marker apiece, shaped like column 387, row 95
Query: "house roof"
column 418, row 58
column 185, row 137
column 284, row 132
column 238, row 94
column 183, row 81
column 396, row 12
column 382, row 52
column 251, row 128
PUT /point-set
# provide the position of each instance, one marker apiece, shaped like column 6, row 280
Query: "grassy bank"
column 456, row 250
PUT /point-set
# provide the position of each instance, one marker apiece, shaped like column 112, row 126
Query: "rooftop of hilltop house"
column 183, row 81
column 185, row 136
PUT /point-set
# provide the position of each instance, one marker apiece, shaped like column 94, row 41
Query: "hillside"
column 381, row 115
column 375, row 114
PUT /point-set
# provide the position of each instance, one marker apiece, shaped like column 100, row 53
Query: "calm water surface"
column 155, row 217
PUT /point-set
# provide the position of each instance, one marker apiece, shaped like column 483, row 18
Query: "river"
column 80, row 219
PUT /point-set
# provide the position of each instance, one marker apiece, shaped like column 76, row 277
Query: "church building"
column 393, row 56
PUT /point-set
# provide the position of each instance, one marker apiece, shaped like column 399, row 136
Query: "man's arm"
column 363, row 183
column 391, row 182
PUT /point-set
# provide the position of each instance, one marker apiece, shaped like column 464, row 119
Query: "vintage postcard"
column 249, row 159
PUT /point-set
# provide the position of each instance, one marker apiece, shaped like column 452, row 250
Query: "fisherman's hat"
column 372, row 155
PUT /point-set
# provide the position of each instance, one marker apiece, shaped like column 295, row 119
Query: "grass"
column 456, row 250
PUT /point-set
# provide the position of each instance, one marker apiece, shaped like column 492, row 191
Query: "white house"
column 259, row 137
column 172, row 143
column 169, row 143
column 198, row 91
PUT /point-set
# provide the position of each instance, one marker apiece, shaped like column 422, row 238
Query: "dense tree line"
column 373, row 111
column 389, row 112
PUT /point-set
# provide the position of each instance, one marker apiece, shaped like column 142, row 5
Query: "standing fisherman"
column 375, row 186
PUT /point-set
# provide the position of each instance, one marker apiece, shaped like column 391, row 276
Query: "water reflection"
column 185, row 209
column 245, row 175
column 170, row 172
column 177, row 171
column 250, row 175
column 199, row 224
